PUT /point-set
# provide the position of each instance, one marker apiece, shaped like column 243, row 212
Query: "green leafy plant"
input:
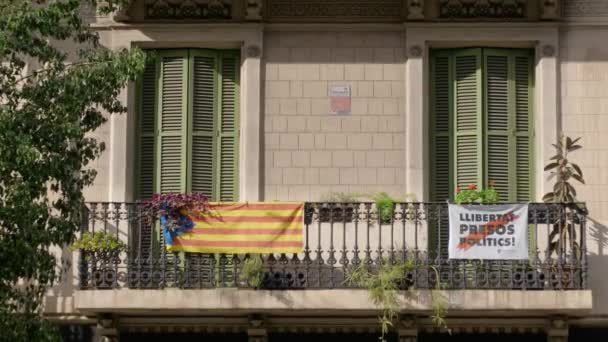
column 563, row 171
column 342, row 197
column 473, row 195
column 99, row 242
column 439, row 303
column 385, row 204
column 384, row 287
column 50, row 101
column 252, row 271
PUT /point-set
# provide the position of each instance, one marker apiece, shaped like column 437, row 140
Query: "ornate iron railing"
column 338, row 237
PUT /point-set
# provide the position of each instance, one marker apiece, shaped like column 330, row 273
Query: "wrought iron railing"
column 338, row 237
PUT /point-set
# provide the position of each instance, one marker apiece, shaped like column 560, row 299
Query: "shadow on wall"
column 597, row 233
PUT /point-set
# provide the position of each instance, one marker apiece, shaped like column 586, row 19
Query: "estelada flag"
column 236, row 228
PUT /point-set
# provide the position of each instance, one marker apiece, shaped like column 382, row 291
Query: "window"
column 481, row 121
column 188, row 124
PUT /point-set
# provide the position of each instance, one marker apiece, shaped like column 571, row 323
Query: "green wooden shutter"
column 441, row 111
column 467, row 127
column 508, row 82
column 171, row 152
column 228, row 134
column 147, row 113
column 203, row 142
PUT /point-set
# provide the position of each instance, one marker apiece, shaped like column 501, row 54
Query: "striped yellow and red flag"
column 252, row 227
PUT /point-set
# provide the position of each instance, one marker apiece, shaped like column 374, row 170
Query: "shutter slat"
column 172, row 135
column 173, row 94
column 498, row 165
column 497, row 92
column 498, row 118
column 440, row 118
column 467, row 135
column 171, row 164
column 522, row 93
column 524, row 181
column 204, row 93
column 202, row 164
column 228, row 143
column 204, row 116
column 146, row 132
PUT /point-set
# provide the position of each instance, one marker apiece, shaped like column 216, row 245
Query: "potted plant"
column 563, row 232
column 386, row 204
column 102, row 250
column 338, row 207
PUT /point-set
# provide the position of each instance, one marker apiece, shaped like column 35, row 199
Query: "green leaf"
column 551, row 166
column 578, row 178
column 577, row 168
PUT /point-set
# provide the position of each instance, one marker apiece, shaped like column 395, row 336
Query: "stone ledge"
column 230, row 301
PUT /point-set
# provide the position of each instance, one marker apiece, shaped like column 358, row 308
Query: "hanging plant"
column 172, row 209
column 252, row 271
column 385, row 285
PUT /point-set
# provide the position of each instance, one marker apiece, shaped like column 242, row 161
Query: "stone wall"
column 309, row 152
column 584, row 79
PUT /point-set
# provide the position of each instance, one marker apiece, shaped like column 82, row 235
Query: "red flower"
column 457, row 189
column 472, row 186
column 492, row 183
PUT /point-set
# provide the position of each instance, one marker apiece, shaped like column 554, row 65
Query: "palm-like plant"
column 563, row 171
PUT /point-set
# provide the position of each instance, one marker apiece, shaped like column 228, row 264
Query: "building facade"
column 296, row 100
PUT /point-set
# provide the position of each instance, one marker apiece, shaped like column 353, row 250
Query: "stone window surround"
column 247, row 38
column 420, row 38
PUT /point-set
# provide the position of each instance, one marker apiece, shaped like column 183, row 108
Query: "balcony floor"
column 232, row 301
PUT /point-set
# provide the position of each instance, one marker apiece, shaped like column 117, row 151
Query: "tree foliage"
column 49, row 102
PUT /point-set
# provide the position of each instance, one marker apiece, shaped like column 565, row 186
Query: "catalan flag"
column 244, row 228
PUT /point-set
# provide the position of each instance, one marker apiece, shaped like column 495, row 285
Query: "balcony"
column 339, row 236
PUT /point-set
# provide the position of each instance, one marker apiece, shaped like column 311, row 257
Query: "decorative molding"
column 106, row 330
column 188, row 9
column 257, row 331
column 549, row 9
column 479, row 9
column 415, row 9
column 585, row 8
column 557, row 330
column 415, row 51
column 548, row 51
column 325, row 9
column 253, row 51
column 253, row 12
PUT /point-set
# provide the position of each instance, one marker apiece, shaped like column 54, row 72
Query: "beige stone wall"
column 309, row 152
column 584, row 80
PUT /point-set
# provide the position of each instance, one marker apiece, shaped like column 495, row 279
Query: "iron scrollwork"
column 476, row 9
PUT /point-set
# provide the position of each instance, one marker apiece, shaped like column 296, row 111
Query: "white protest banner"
column 494, row 232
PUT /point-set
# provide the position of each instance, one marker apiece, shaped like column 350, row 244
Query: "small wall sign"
column 339, row 96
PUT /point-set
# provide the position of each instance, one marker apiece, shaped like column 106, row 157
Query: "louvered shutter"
column 468, row 167
column 228, row 126
column 507, row 122
column 142, row 232
column 171, row 162
column 204, row 92
column 442, row 63
column 441, row 111
column 147, row 114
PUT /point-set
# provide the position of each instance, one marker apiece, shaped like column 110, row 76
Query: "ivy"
column 99, row 242
column 385, row 285
column 50, row 102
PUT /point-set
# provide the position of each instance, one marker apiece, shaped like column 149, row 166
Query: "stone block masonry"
column 309, row 152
